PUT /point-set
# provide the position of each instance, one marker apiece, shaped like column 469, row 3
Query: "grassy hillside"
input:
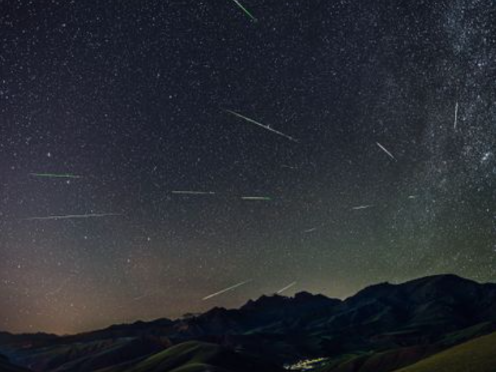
column 385, row 361
column 196, row 356
column 6, row 366
column 478, row 355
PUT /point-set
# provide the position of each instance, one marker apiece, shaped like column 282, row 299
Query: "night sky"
column 125, row 103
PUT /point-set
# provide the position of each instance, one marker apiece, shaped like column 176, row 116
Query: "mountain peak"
column 440, row 278
column 373, row 291
column 304, row 295
column 265, row 301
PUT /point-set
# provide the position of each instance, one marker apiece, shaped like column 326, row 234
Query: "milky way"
column 129, row 99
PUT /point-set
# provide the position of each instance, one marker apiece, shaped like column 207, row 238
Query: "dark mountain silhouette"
column 382, row 328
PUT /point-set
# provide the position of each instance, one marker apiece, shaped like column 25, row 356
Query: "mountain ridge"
column 252, row 302
column 405, row 321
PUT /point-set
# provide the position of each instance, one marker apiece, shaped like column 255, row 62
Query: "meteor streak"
column 266, row 127
column 53, row 175
column 386, row 151
column 60, row 287
column 180, row 192
column 147, row 294
column 261, row 198
column 286, row 288
column 456, row 116
column 245, row 10
column 71, row 216
column 362, row 207
column 226, row 290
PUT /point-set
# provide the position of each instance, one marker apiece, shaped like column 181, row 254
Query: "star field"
column 111, row 112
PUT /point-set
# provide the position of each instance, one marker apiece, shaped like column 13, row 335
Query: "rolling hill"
column 478, row 355
column 6, row 366
column 197, row 356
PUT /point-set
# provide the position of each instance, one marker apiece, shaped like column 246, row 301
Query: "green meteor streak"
column 53, row 175
column 260, row 198
column 71, row 216
column 245, row 10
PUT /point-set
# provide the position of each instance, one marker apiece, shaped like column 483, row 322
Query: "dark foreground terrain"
column 433, row 324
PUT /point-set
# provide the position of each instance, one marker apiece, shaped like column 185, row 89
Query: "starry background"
column 132, row 97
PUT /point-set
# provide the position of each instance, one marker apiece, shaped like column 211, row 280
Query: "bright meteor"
column 71, row 216
column 244, row 10
column 226, row 290
column 362, row 207
column 286, row 288
column 266, row 127
column 255, row 198
column 386, row 151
